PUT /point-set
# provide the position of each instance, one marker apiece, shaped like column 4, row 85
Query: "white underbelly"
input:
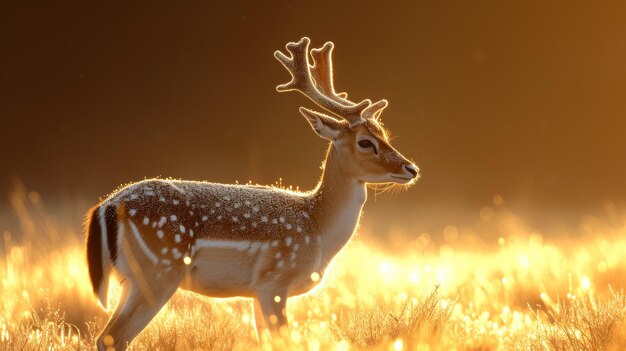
column 220, row 272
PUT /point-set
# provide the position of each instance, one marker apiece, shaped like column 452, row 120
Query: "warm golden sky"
column 526, row 99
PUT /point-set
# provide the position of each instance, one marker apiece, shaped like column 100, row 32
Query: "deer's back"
column 186, row 211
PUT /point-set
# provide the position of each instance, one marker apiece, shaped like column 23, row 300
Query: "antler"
column 316, row 82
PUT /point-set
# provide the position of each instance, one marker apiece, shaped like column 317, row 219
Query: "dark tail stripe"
column 94, row 250
column 110, row 216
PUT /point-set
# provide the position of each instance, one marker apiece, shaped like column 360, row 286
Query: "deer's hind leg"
column 146, row 287
column 133, row 313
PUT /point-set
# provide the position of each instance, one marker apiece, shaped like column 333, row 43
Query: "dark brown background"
column 523, row 99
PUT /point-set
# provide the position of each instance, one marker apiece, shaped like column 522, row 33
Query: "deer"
column 267, row 243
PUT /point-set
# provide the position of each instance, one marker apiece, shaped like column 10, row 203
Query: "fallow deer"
column 225, row 240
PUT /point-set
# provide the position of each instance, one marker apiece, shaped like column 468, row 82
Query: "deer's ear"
column 325, row 126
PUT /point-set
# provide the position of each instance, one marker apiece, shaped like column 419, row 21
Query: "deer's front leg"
column 259, row 322
column 273, row 304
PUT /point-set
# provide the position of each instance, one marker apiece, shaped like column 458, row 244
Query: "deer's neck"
column 339, row 199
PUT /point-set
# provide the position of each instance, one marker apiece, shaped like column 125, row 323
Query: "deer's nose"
column 411, row 168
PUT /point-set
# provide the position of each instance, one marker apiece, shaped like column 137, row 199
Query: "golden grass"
column 496, row 286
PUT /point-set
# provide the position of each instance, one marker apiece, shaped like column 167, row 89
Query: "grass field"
column 498, row 286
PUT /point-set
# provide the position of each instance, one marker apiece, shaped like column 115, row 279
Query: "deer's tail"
column 101, row 224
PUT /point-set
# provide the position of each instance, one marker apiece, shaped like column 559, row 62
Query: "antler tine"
column 322, row 72
column 322, row 68
column 297, row 65
column 374, row 110
column 315, row 81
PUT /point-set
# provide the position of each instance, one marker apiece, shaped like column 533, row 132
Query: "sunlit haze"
column 512, row 239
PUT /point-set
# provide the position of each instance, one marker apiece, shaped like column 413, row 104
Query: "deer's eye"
column 366, row 144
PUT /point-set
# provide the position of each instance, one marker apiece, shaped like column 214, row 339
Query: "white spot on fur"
column 146, row 220
column 132, row 212
column 173, row 218
column 280, row 264
column 246, row 215
column 162, row 221
column 134, row 197
column 160, row 234
column 288, row 241
column 234, row 218
column 282, row 219
column 182, row 229
column 275, row 243
column 307, row 239
column 204, row 218
column 175, row 202
column 176, row 253
column 264, row 219
column 177, row 238
column 255, row 209
column 288, row 226
column 218, row 204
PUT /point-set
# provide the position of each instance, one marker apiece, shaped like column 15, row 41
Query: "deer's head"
column 361, row 143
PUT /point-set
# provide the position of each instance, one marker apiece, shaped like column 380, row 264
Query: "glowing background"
column 514, row 112
column 525, row 100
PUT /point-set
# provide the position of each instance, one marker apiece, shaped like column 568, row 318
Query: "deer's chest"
column 288, row 262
